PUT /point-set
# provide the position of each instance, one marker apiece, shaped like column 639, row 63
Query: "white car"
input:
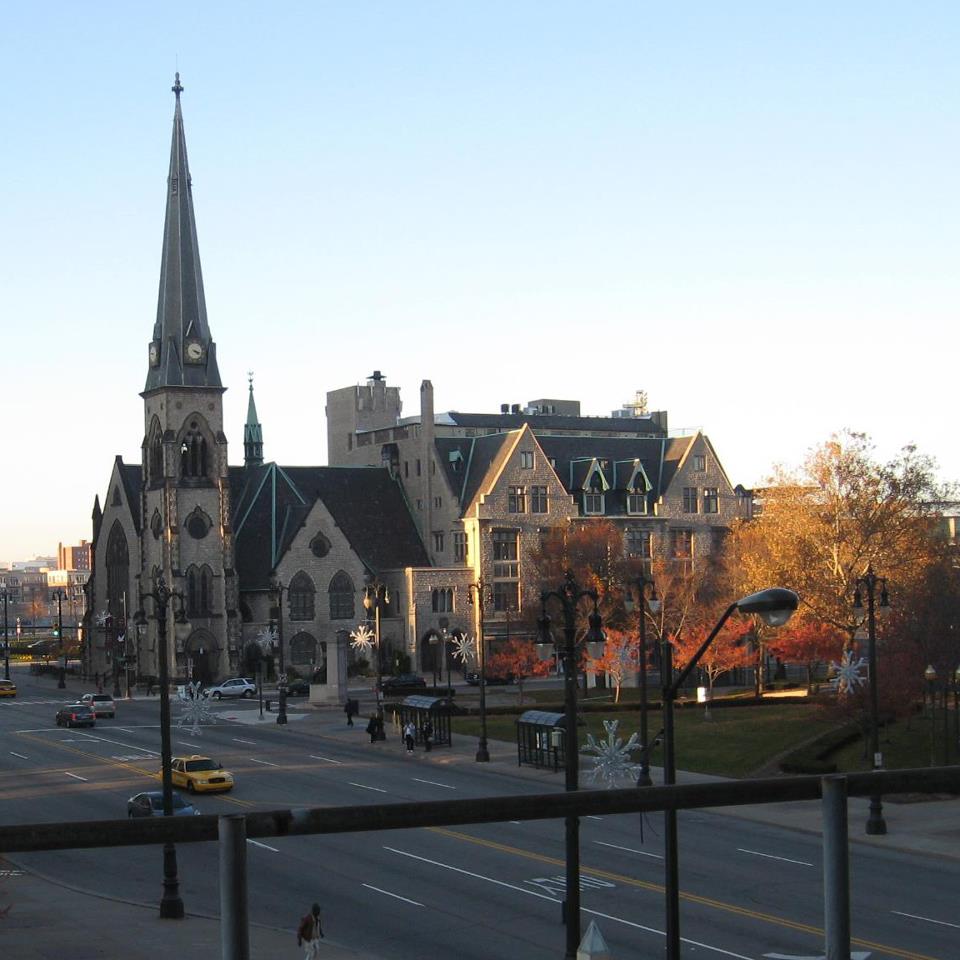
column 238, row 687
column 102, row 704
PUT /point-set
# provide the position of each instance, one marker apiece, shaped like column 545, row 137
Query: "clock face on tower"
column 194, row 351
column 154, row 353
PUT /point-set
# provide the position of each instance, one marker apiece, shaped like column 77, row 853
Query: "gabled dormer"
column 588, row 480
column 632, row 480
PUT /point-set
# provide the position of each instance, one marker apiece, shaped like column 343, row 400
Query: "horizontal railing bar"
column 405, row 816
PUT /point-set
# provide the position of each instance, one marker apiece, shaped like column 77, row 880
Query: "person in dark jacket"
column 310, row 932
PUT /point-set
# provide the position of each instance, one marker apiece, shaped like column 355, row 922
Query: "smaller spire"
column 177, row 87
column 252, row 432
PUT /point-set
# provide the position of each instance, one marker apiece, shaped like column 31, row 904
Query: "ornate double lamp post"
column 479, row 594
column 376, row 595
column 569, row 596
column 171, row 905
column 645, row 603
column 775, row 607
column 278, row 589
column 62, row 673
column 868, row 584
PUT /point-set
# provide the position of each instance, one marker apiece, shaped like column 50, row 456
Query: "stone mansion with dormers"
column 424, row 505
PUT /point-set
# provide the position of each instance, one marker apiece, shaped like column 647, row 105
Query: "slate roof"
column 132, row 477
column 546, row 421
column 272, row 502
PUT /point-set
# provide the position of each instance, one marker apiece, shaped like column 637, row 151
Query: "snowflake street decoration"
column 102, row 618
column 611, row 762
column 267, row 639
column 465, row 648
column 195, row 708
column 362, row 638
column 849, row 672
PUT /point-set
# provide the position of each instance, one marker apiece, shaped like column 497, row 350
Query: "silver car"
column 238, row 687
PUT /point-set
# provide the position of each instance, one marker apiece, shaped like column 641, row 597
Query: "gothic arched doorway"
column 202, row 653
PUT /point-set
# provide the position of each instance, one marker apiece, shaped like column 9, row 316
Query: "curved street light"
column 479, row 594
column 651, row 603
column 775, row 607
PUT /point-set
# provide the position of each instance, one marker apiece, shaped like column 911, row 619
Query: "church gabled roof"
column 271, row 504
column 182, row 352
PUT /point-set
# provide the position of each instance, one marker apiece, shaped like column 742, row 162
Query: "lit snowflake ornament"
column 362, row 638
column 195, row 708
column 102, row 618
column 849, row 672
column 267, row 640
column 465, row 648
column 611, row 762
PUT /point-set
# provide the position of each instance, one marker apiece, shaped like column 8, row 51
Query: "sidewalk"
column 49, row 921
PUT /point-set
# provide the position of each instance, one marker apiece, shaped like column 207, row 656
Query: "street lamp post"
column 375, row 596
column 930, row 676
column 869, row 582
column 569, row 595
column 278, row 589
column 6, row 638
column 171, row 904
column 62, row 673
column 653, row 604
column 481, row 593
column 775, row 607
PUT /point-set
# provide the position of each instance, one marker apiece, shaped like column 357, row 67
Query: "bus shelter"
column 540, row 739
column 419, row 709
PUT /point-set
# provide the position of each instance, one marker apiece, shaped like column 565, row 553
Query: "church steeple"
column 182, row 353
column 252, row 433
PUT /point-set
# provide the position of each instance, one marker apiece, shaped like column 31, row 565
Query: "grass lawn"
column 735, row 742
column 906, row 743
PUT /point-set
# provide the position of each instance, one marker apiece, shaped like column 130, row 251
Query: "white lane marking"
column 185, row 743
column 594, row 818
column 363, row 786
column 468, row 873
column 238, row 740
column 75, row 777
column 543, row 896
column 770, row 856
column 20, row 755
column 396, row 896
column 328, row 759
column 266, row 763
column 265, row 846
column 913, row 916
column 517, row 822
column 123, row 729
column 642, row 853
column 433, row 783
column 119, row 743
column 129, row 758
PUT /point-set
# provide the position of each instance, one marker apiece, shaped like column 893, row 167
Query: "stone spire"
column 252, row 433
column 182, row 354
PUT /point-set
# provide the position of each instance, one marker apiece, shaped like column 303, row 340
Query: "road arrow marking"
column 854, row 955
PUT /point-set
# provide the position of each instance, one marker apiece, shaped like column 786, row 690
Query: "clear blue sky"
column 749, row 210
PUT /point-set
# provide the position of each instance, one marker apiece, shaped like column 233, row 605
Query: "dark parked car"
column 298, row 688
column 76, row 715
column 403, row 683
column 150, row 804
column 492, row 678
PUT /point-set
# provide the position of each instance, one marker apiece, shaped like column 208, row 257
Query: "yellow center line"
column 689, row 897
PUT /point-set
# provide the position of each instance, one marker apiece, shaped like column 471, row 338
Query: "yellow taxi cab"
column 200, row 774
column 8, row 688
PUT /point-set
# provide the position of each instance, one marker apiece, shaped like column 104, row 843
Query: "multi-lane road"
column 749, row 890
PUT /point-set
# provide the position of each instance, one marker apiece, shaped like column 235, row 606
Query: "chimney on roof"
column 515, row 408
column 376, row 375
column 504, row 407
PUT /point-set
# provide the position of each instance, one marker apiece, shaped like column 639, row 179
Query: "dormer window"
column 636, row 503
column 593, row 503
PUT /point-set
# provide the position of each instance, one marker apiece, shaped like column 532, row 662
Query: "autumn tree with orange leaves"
column 519, row 658
column 730, row 648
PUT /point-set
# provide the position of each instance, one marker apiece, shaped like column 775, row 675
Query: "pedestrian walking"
column 409, row 736
column 427, row 735
column 310, row 932
column 149, row 686
column 350, row 708
column 372, row 728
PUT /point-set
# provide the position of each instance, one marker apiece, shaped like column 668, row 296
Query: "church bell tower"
column 186, row 533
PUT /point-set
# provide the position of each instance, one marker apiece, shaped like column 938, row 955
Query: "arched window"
column 300, row 595
column 341, row 597
column 118, row 567
column 442, row 600
column 155, row 454
column 303, row 650
column 193, row 453
column 199, row 591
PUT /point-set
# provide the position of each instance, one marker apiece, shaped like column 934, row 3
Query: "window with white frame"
column 460, row 554
column 636, row 503
column 526, row 459
column 516, row 499
column 593, row 503
column 699, row 462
